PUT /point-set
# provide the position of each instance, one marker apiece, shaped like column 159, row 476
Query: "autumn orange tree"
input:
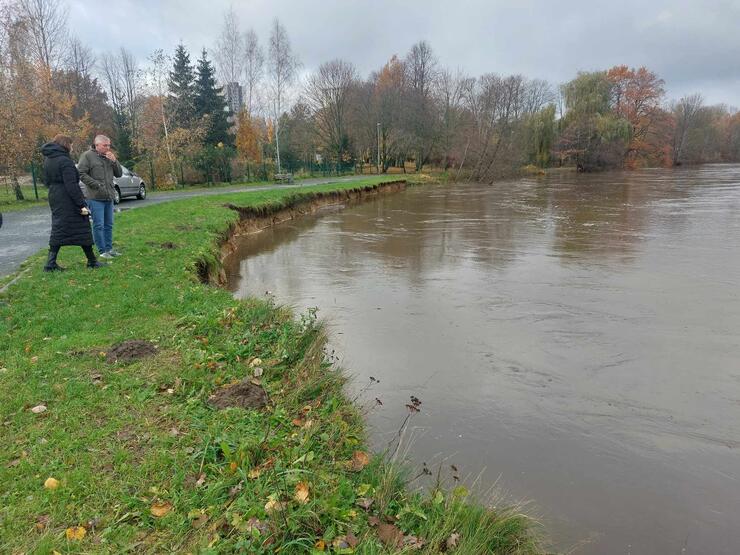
column 248, row 139
column 32, row 108
column 637, row 96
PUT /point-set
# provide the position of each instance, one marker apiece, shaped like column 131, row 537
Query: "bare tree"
column 132, row 89
column 111, row 70
column 229, row 50
column 421, row 76
column 283, row 67
column 47, row 28
column 158, row 84
column 537, row 95
column 495, row 106
column 328, row 93
column 685, row 112
column 451, row 96
column 79, row 58
column 254, row 67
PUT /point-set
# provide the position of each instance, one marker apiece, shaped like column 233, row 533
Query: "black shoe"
column 53, row 268
column 96, row 264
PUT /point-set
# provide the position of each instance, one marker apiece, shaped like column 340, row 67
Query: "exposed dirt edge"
column 210, row 270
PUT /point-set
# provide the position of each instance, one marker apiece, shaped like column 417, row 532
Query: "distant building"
column 234, row 97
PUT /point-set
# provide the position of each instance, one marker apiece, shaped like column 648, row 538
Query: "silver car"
column 128, row 185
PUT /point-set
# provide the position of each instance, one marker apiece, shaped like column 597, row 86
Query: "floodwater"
column 574, row 339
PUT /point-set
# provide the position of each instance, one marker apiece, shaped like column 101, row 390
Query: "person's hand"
column 110, row 156
column 85, row 211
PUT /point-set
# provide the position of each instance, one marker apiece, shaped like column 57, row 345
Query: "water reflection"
column 574, row 336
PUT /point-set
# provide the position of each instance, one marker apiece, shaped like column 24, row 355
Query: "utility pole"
column 378, row 148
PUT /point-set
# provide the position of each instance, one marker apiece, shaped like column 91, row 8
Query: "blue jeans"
column 102, row 216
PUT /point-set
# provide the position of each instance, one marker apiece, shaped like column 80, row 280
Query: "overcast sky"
column 693, row 45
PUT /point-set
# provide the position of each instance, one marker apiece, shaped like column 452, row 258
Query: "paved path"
column 26, row 232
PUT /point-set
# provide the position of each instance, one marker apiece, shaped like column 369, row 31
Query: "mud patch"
column 129, row 351
column 244, row 394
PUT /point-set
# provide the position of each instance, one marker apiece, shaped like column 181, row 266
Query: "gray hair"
column 100, row 139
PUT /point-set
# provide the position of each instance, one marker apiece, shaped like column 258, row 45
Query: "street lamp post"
column 378, row 148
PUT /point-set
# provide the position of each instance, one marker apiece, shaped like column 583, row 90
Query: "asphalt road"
column 26, row 232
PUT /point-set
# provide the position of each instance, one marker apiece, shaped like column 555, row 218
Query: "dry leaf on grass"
column 75, row 533
column 360, row 460
column 199, row 521
column 51, row 483
column 352, row 539
column 390, row 535
column 160, row 509
column 301, row 492
column 38, row 409
column 254, row 473
column 452, row 541
column 274, row 506
column 320, row 545
column 42, row 521
column 364, row 502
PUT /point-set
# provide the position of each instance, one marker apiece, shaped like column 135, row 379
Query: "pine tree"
column 122, row 142
column 181, row 97
column 210, row 103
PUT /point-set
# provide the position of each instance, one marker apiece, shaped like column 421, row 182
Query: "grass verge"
column 132, row 457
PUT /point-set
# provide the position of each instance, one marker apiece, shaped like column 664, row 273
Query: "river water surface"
column 574, row 339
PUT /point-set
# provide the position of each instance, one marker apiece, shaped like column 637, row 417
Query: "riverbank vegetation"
column 240, row 112
column 113, row 385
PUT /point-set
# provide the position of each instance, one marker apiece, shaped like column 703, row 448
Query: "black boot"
column 51, row 263
column 92, row 262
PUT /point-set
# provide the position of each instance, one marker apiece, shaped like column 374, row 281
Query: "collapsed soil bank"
column 253, row 220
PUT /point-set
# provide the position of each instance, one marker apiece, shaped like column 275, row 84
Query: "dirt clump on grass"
column 129, row 351
column 244, row 394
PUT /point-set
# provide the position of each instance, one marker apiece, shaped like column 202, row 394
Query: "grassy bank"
column 106, row 456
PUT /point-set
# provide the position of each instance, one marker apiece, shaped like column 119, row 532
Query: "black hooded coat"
column 68, row 226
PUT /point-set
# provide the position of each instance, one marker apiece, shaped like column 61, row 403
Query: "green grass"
column 124, row 438
column 8, row 203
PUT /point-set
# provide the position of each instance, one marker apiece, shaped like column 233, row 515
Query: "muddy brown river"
column 574, row 340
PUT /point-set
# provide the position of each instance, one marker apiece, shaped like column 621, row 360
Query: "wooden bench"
column 284, row 178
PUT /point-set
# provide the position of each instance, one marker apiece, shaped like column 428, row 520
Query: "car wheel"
column 142, row 192
column 117, row 197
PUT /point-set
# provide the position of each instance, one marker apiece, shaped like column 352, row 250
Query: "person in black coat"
column 70, row 223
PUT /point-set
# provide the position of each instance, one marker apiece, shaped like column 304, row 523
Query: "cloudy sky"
column 693, row 45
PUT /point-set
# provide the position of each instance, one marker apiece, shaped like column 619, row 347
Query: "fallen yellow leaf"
column 254, row 473
column 75, row 533
column 51, row 483
column 273, row 506
column 233, row 466
column 160, row 509
column 301, row 492
column 320, row 545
